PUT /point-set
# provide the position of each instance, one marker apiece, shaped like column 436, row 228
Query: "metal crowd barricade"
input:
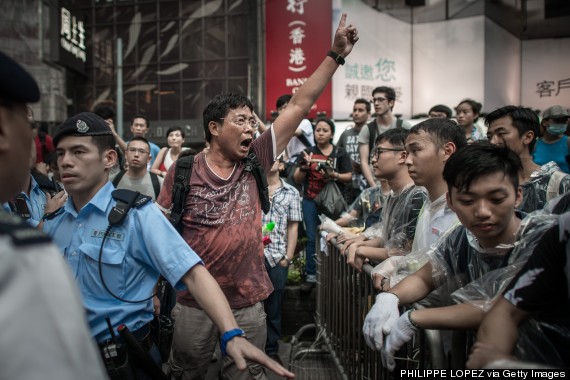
column 344, row 297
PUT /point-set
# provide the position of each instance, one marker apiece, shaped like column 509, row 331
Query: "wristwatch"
column 289, row 261
column 337, row 57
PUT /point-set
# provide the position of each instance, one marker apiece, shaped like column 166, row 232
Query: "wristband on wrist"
column 412, row 322
column 229, row 335
column 337, row 57
column 51, row 215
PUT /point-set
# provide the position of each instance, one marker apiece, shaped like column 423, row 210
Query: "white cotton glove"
column 380, row 319
column 400, row 335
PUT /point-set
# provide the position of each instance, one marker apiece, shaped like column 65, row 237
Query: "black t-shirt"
column 541, row 288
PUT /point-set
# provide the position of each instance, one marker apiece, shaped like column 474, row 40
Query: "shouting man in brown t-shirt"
column 222, row 217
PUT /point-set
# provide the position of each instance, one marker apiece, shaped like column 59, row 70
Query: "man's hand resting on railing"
column 346, row 243
column 353, row 259
column 380, row 320
column 400, row 335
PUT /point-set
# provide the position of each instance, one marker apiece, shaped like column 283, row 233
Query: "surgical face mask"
column 556, row 129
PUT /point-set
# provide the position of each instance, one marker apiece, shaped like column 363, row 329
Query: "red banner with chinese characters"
column 298, row 37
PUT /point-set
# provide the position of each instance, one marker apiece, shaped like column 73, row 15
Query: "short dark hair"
column 139, row 138
column 220, row 106
column 523, row 119
column 141, row 117
column 475, row 106
column 395, row 136
column 441, row 108
column 389, row 91
column 441, row 132
column 174, row 129
column 365, row 102
column 104, row 142
column 105, row 111
column 479, row 159
column 282, row 100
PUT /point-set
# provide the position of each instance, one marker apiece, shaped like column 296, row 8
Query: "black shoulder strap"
column 304, row 140
column 118, row 177
column 399, row 123
column 126, row 199
column 372, row 131
column 155, row 184
column 180, row 188
column 253, row 165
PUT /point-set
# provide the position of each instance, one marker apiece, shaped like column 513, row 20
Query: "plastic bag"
column 330, row 201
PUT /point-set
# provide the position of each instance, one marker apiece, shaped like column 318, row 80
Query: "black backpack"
column 373, row 131
column 181, row 185
column 153, row 179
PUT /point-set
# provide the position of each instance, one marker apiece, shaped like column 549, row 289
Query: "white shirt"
column 295, row 146
column 434, row 220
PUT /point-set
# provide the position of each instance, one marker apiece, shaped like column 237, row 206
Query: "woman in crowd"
column 467, row 115
column 167, row 156
column 315, row 167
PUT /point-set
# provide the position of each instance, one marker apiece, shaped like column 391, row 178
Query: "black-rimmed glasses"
column 379, row 151
column 378, row 100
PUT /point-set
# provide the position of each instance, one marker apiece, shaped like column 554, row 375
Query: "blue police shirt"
column 134, row 255
column 36, row 203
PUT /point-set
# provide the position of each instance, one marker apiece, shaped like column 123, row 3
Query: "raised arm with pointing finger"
column 222, row 218
column 302, row 101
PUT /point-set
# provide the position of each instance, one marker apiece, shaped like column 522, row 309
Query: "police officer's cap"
column 16, row 84
column 82, row 124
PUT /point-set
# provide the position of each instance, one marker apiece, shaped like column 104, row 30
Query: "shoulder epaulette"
column 126, row 196
column 21, row 232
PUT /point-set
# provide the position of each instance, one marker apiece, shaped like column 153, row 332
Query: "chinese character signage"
column 545, row 79
column 69, row 37
column 298, row 37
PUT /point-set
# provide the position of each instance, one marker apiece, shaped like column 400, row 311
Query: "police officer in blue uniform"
column 117, row 244
column 44, row 330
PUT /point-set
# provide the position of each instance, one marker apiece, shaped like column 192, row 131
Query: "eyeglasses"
column 139, row 151
column 379, row 151
column 378, row 100
column 242, row 121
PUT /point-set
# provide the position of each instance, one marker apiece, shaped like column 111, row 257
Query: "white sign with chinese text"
column 546, row 73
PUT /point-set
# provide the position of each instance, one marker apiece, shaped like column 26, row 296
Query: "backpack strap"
column 118, row 178
column 399, row 123
column 372, row 131
column 180, row 188
column 253, row 165
column 155, row 184
column 303, row 139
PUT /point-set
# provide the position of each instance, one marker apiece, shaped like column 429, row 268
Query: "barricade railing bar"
column 344, row 297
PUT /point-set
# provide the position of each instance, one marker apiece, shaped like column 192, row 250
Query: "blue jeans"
column 312, row 221
column 272, row 305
